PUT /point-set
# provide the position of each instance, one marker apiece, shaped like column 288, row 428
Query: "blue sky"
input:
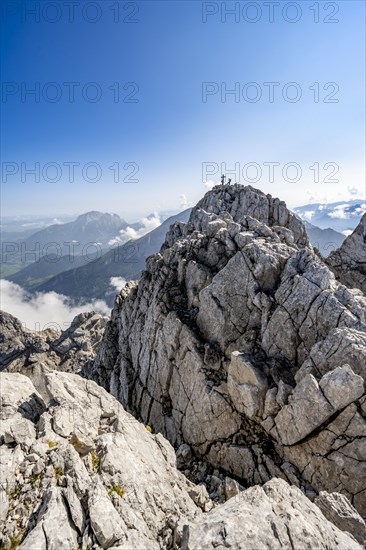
column 170, row 132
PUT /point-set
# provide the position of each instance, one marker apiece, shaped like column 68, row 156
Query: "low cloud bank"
column 345, row 212
column 117, row 283
column 43, row 309
column 148, row 224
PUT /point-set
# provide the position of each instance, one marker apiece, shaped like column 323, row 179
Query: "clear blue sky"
column 169, row 52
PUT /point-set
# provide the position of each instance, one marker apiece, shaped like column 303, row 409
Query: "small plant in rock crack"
column 58, row 472
column 116, row 489
column 51, row 444
column 95, row 461
column 33, row 479
column 14, row 492
column 15, row 541
column 149, row 428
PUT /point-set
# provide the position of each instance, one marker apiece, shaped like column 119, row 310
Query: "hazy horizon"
column 132, row 217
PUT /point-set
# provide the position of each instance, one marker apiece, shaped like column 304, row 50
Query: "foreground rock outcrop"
column 349, row 261
column 240, row 342
column 274, row 516
column 78, row 472
column 70, row 350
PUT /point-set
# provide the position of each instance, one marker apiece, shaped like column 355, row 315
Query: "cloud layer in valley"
column 343, row 212
column 43, row 310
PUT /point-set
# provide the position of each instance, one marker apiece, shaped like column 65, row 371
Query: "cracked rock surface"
column 240, row 342
column 79, row 472
column 70, row 350
column 272, row 516
column 349, row 261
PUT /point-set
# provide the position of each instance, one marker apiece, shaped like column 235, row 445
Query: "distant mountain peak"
column 340, row 216
column 95, row 215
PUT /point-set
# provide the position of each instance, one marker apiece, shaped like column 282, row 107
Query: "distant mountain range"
column 88, row 229
column 92, row 281
column 86, row 258
column 89, row 235
column 38, row 272
column 340, row 216
column 25, row 224
column 325, row 240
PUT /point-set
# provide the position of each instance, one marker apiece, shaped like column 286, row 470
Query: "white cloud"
column 210, row 184
column 41, row 225
column 308, row 215
column 43, row 309
column 354, row 191
column 117, row 283
column 347, row 232
column 148, row 224
column 315, row 197
column 360, row 210
column 183, row 202
column 340, row 212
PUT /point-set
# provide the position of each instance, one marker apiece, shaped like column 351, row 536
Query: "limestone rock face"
column 246, row 386
column 239, row 342
column 336, row 508
column 348, row 263
column 126, row 492
column 70, row 350
column 240, row 201
column 312, row 403
column 274, row 516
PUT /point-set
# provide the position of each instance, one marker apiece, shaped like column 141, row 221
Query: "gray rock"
column 348, row 262
column 311, row 404
column 337, row 509
column 341, row 387
column 75, row 507
column 199, row 495
column 241, row 277
column 71, row 350
column 247, row 386
column 107, row 525
column 122, row 491
column 184, row 455
column 308, row 409
column 53, row 530
column 231, row 488
column 273, row 516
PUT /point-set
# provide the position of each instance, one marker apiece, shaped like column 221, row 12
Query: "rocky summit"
column 239, row 341
column 222, row 406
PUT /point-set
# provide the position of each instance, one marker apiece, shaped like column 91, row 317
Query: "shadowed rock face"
column 348, row 263
column 78, row 471
column 69, row 350
column 239, row 341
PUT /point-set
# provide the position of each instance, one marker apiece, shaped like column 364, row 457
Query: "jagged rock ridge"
column 69, row 350
column 80, row 472
column 239, row 341
column 349, row 261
